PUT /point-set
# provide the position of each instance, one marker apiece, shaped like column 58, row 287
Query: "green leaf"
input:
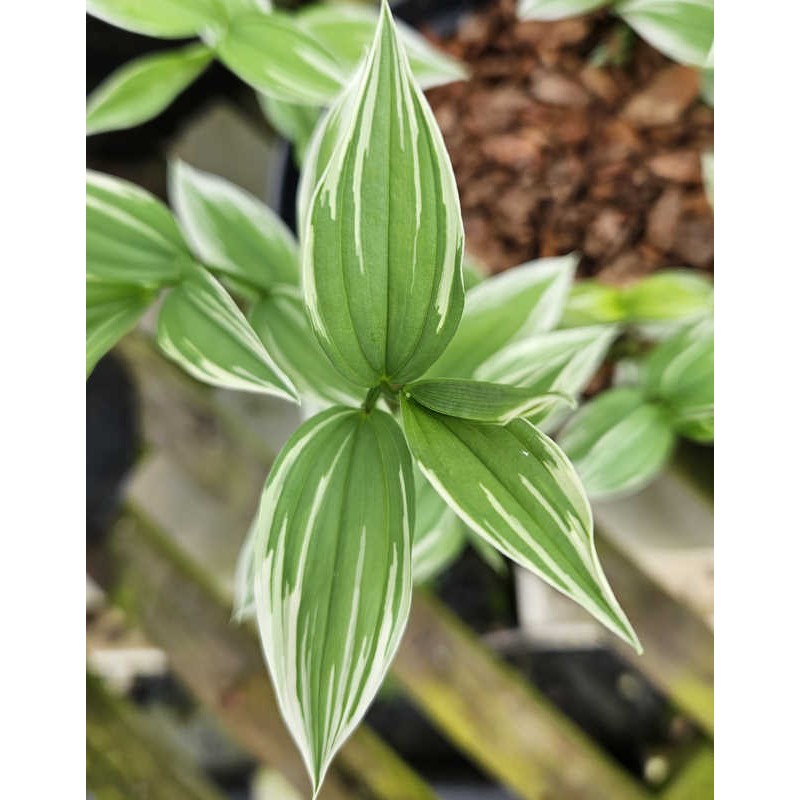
column 244, row 596
column 516, row 488
column 296, row 123
column 618, row 442
column 230, row 230
column 202, row 329
column 680, row 372
column 333, row 573
column 383, row 240
column 143, row 88
column 668, row 295
column 474, row 272
column 560, row 361
column 281, row 322
column 515, row 304
column 279, row 58
column 592, row 303
column 167, row 19
column 681, row 29
column 484, row 402
column 546, row 10
column 111, row 311
column 131, row 236
column 438, row 533
column 347, row 30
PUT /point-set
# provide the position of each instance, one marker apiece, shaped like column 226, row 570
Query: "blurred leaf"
column 294, row 122
column 707, row 86
column 281, row 322
column 680, row 373
column 592, row 303
column 681, row 29
column 474, row 271
column 167, row 19
column 516, row 303
column 143, row 88
column 438, row 533
column 382, row 260
column 347, row 30
column 202, row 329
column 333, row 573
column 556, row 9
column 131, row 237
column 708, row 175
column 279, row 58
column 230, row 230
column 668, row 295
column 484, row 402
column 560, row 361
column 618, row 442
column 514, row 487
column 111, row 311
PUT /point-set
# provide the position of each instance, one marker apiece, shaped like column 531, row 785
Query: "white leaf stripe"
column 232, row 231
column 202, row 329
column 515, row 487
column 330, row 624
column 382, row 243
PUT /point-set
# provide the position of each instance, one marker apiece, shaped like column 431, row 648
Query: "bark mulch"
column 552, row 154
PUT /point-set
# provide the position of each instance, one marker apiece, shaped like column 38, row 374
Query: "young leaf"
column 281, row 322
column 383, row 238
column 512, row 305
column 680, row 372
column 438, row 533
column 202, row 329
column 230, row 230
column 668, row 295
column 618, row 442
column 681, row 29
column 143, row 88
column 514, row 487
column 131, row 237
column 484, row 402
column 333, row 573
column 560, row 361
column 278, row 57
column 592, row 303
column 167, row 19
column 111, row 311
column 546, row 10
column 347, row 30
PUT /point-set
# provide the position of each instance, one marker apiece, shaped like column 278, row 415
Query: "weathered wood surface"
column 536, row 760
column 127, row 759
column 182, row 610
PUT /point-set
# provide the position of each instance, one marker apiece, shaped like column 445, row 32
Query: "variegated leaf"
column 560, row 361
column 131, row 237
column 168, row 19
column 517, row 489
column 515, row 304
column 111, row 311
column 278, row 57
column 230, row 230
column 281, row 322
column 485, row 402
column 681, row 29
column 383, row 238
column 203, row 330
column 347, row 30
column 332, row 564
column 143, row 88
column 618, row 442
column 546, row 10
column 438, row 533
column 680, row 372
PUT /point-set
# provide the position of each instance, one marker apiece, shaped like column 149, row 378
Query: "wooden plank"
column 127, row 759
column 182, row 610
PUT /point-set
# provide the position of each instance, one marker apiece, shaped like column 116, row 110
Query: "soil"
column 554, row 155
